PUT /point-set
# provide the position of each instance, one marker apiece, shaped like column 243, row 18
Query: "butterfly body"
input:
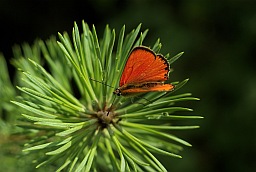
column 144, row 72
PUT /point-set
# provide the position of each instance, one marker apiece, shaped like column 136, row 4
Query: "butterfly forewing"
column 143, row 65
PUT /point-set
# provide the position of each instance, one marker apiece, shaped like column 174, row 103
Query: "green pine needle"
column 73, row 116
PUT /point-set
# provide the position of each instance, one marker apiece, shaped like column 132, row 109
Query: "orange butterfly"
column 144, row 72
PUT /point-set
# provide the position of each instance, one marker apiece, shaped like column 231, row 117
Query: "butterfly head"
column 117, row 92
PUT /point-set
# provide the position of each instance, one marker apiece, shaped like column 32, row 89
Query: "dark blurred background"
column 219, row 41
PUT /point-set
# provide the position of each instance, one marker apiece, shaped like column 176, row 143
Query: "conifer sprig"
column 77, row 123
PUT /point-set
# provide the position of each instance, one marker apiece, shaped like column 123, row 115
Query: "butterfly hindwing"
column 144, row 88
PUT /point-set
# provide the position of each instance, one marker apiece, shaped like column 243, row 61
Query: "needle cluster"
column 78, row 124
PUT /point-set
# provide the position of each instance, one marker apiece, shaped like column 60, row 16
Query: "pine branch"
column 71, row 111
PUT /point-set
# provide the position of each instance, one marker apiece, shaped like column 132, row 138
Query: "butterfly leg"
column 144, row 104
column 149, row 102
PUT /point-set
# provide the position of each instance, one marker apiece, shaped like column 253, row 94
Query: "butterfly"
column 144, row 72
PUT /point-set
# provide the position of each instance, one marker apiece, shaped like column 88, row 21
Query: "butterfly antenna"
column 101, row 83
column 111, row 105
